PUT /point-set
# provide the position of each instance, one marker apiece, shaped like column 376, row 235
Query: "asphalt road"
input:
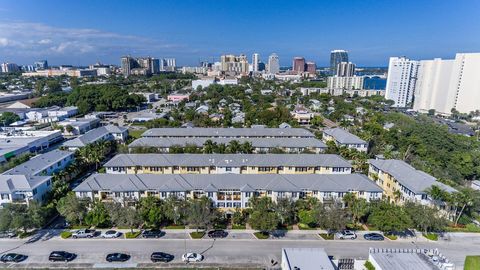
column 230, row 252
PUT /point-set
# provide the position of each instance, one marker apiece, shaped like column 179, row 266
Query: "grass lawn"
column 431, row 236
column 468, row 228
column 65, row 234
column 238, row 227
column 302, row 226
column 135, row 133
column 391, row 237
column 197, row 235
column 261, row 235
column 175, row 227
column 472, row 263
column 327, row 236
column 130, row 235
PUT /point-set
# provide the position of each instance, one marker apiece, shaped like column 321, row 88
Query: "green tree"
column 150, row 209
column 72, row 208
column 6, row 118
column 98, row 216
column 389, row 217
column 201, row 213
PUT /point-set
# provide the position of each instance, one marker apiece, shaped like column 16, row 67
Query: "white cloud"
column 25, row 39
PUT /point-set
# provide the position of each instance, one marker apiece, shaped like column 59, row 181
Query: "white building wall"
column 402, row 75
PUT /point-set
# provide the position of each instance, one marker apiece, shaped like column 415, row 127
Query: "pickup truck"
column 85, row 233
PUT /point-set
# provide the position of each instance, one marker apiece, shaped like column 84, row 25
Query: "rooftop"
column 306, row 259
column 415, row 180
column 227, row 160
column 214, row 182
column 13, row 183
column 93, row 136
column 256, row 142
column 37, row 164
column 401, row 259
column 343, row 136
column 228, row 132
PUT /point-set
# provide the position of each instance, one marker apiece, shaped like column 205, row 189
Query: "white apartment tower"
column 255, row 62
column 345, row 69
column 401, row 79
column 443, row 85
column 273, row 64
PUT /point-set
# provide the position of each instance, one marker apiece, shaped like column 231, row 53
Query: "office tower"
column 255, row 62
column 336, row 57
column 261, row 66
column 298, row 64
column 273, row 64
column 401, row 79
column 42, row 64
column 155, row 66
column 345, row 69
column 233, row 63
column 311, row 67
column 443, row 85
column 9, row 67
column 128, row 63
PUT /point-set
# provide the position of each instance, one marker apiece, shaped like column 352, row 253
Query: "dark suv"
column 161, row 257
column 152, row 234
column 63, row 256
column 217, row 234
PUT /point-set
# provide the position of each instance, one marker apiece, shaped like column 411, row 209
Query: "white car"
column 346, row 234
column 192, row 257
column 111, row 234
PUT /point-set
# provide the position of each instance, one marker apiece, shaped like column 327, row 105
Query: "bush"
column 261, row 235
column 197, row 235
column 327, row 236
column 369, row 265
column 391, row 237
column 431, row 236
column 130, row 235
column 175, row 227
column 65, row 235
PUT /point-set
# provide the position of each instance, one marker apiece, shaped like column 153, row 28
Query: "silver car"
column 346, row 234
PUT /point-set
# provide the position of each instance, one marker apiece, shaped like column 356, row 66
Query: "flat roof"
column 215, row 182
column 309, row 142
column 306, row 259
column 401, row 259
column 228, row 160
column 415, row 180
column 343, row 136
column 227, row 132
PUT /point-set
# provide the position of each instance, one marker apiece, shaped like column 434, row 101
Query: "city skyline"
column 97, row 31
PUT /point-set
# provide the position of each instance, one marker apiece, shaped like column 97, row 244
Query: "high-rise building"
column 9, row 67
column 401, row 79
column 336, row 57
column 273, row 66
column 311, row 67
column 169, row 64
column 443, row 85
column 155, row 65
column 42, row 64
column 145, row 65
column 255, row 62
column 128, row 63
column 233, row 63
column 346, row 83
column 298, row 64
column 345, row 69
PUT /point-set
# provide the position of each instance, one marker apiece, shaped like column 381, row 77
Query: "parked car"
column 401, row 234
column 192, row 257
column 346, row 234
column 117, row 257
column 85, row 233
column 12, row 257
column 161, row 257
column 217, row 234
column 111, row 234
column 63, row 256
column 374, row 237
column 152, row 234
column 7, row 234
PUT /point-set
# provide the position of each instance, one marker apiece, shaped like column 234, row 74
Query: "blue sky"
column 82, row 32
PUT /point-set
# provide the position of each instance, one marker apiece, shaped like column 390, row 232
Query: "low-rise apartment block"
column 105, row 133
column 226, row 191
column 341, row 137
column 227, row 163
column 259, row 145
column 401, row 182
column 31, row 180
column 228, row 133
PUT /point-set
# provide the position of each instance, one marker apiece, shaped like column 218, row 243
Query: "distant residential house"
column 105, row 133
column 216, row 117
column 79, row 126
column 284, row 125
column 302, row 115
column 177, row 97
column 315, row 104
column 63, row 113
column 202, row 109
column 341, row 137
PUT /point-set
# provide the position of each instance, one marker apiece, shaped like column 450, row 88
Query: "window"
column 34, row 191
column 220, row 204
column 193, row 169
column 301, row 169
column 5, row 196
column 210, row 194
column 247, row 194
column 229, row 204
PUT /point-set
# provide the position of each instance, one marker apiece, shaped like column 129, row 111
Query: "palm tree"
column 209, row 146
column 233, row 146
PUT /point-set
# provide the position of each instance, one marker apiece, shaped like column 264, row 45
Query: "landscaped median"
column 472, row 263
column 131, row 235
column 261, row 235
column 327, row 236
column 66, row 234
column 431, row 236
column 197, row 235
